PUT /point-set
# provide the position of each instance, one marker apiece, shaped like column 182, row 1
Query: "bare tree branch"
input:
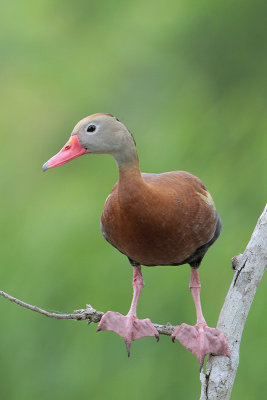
column 89, row 314
column 217, row 382
column 79, row 315
column 249, row 267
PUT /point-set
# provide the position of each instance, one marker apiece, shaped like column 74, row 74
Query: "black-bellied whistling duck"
column 154, row 219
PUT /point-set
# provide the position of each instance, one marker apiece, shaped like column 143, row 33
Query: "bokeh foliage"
column 187, row 78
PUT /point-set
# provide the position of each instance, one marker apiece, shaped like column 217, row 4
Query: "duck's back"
column 161, row 219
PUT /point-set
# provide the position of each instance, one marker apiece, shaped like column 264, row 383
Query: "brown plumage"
column 158, row 219
column 154, row 219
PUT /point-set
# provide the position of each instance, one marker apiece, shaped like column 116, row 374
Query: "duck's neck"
column 126, row 156
column 128, row 165
column 130, row 177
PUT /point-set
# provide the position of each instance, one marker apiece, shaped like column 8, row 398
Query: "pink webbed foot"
column 201, row 340
column 129, row 327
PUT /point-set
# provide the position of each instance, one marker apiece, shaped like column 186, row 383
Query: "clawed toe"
column 201, row 340
column 129, row 327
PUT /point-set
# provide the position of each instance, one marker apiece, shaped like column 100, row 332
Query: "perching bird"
column 154, row 219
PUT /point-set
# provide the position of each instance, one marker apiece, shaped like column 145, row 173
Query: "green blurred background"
column 187, row 79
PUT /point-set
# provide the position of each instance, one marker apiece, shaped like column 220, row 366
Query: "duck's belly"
column 160, row 222
column 164, row 243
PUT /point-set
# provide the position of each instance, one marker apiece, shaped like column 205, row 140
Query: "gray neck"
column 126, row 156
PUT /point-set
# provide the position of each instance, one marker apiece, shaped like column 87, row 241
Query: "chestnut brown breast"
column 158, row 219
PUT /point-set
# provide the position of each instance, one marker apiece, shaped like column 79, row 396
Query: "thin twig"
column 88, row 313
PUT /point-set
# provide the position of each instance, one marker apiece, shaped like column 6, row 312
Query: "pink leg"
column 195, row 287
column 200, row 339
column 129, row 327
column 138, row 285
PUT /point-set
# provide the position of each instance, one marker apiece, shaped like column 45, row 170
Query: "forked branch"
column 217, row 381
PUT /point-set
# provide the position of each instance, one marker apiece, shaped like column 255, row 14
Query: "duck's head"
column 99, row 134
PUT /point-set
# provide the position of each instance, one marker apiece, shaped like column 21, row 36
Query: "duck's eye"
column 91, row 128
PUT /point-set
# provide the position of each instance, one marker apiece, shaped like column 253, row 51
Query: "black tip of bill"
column 45, row 166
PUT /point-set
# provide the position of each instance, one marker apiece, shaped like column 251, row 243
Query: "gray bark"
column 88, row 313
column 217, row 382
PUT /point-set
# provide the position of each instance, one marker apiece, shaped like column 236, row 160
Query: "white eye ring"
column 91, row 128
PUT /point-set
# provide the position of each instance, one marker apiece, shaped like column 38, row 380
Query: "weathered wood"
column 217, row 382
column 88, row 313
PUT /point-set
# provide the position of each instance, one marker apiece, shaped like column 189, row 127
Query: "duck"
column 154, row 220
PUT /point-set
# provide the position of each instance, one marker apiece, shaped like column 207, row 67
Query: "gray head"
column 99, row 134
